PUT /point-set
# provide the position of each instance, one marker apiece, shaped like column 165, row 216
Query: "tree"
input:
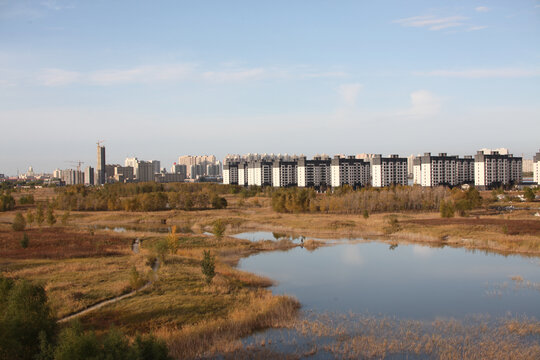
column 7, row 202
column 29, row 218
column 65, row 217
column 25, row 314
column 161, row 248
column 366, row 214
column 208, row 266
column 529, row 194
column 25, row 241
column 51, row 219
column 219, row 202
column 218, row 229
column 446, row 209
column 40, row 217
column 19, row 223
column 172, row 240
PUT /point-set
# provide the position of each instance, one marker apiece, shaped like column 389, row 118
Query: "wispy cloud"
column 482, row 9
column 424, row 104
column 476, row 28
column 174, row 73
column 483, row 73
column 236, row 75
column 349, row 93
column 431, row 22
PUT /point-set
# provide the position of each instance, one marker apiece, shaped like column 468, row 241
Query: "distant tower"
column 101, row 176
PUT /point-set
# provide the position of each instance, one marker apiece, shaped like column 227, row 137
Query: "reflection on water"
column 140, row 228
column 410, row 281
column 274, row 236
column 372, row 299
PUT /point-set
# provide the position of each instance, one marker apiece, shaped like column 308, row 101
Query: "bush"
column 51, row 219
column 135, row 279
column 40, row 217
column 218, row 229
column 529, row 194
column 392, row 225
column 219, row 202
column 27, row 199
column 447, row 209
column 25, row 317
column 208, row 266
column 25, row 241
column 365, row 214
column 75, row 344
column 19, row 223
column 7, row 202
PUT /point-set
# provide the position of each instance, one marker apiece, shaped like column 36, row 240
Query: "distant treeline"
column 345, row 200
column 143, row 197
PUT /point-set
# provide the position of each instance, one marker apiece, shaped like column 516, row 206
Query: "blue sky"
column 165, row 78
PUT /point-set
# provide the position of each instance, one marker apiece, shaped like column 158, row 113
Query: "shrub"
column 25, row 314
column 135, row 279
column 218, row 229
column 40, row 217
column 25, row 241
column 29, row 218
column 447, row 209
column 219, row 202
column 365, row 214
column 208, row 266
column 19, row 223
column 51, row 219
column 65, row 217
column 27, row 199
column 529, row 194
column 7, row 202
column 392, row 225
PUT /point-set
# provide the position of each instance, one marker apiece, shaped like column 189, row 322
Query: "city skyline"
column 344, row 77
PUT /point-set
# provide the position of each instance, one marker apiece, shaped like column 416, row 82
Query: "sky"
column 160, row 79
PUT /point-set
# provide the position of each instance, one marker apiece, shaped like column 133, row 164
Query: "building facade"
column 536, row 168
column 387, row 171
column 285, row 173
column 349, row 171
column 492, row 169
column 100, row 168
column 314, row 173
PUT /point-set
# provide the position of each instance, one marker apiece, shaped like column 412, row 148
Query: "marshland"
column 400, row 272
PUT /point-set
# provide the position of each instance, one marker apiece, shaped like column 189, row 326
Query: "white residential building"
column 536, row 168
column 314, row 173
column 230, row 172
column 285, row 173
column 417, row 170
column 349, row 171
column 493, row 169
column 438, row 170
column 386, row 171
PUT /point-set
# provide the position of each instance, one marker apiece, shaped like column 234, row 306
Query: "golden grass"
column 214, row 336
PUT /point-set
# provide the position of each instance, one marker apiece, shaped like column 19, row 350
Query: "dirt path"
column 113, row 300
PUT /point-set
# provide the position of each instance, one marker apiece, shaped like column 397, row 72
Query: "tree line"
column 142, row 197
column 345, row 200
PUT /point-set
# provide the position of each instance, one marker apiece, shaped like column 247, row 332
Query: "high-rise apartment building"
column 536, row 168
column 146, row 171
column 315, row 172
column 285, row 173
column 89, row 176
column 349, row 171
column 386, row 171
column 492, row 169
column 100, row 168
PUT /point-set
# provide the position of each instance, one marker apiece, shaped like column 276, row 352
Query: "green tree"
column 366, row 214
column 7, row 202
column 219, row 202
column 51, row 219
column 25, row 314
column 446, row 209
column 529, row 194
column 218, row 229
column 25, row 241
column 19, row 223
column 208, row 266
column 40, row 216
